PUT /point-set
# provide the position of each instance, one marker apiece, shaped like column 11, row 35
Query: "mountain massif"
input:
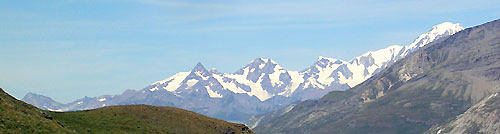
column 448, row 85
column 19, row 117
column 259, row 87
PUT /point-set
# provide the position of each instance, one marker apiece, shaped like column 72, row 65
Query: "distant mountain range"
column 450, row 85
column 259, row 87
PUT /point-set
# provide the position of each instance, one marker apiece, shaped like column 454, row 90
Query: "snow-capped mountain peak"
column 438, row 31
column 259, row 68
column 199, row 74
column 265, row 77
column 328, row 71
column 171, row 83
column 444, row 27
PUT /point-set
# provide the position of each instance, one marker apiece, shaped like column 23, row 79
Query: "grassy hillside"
column 19, row 117
column 144, row 119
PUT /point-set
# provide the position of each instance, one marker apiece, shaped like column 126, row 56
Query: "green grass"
column 19, row 117
column 144, row 119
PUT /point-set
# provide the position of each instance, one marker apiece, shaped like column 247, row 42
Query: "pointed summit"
column 254, row 65
column 199, row 72
column 199, row 68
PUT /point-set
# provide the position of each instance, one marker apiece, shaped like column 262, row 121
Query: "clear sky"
column 68, row 49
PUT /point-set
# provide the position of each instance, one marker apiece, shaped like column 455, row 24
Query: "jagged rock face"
column 484, row 117
column 261, row 86
column 428, row 87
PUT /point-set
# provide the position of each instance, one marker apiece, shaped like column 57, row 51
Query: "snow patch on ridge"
column 200, row 74
column 325, row 73
column 190, row 83
column 174, row 82
column 212, row 94
column 231, row 86
column 256, row 88
column 297, row 79
column 275, row 76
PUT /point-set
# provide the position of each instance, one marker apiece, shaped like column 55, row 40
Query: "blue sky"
column 69, row 49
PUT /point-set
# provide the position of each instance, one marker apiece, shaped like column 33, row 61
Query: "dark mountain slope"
column 19, row 117
column 429, row 87
column 483, row 117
